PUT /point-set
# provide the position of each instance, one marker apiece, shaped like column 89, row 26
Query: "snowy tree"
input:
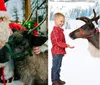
column 15, row 6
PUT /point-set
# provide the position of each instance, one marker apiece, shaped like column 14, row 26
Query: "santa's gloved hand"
column 36, row 50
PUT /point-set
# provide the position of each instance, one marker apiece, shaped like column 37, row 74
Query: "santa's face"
column 4, row 31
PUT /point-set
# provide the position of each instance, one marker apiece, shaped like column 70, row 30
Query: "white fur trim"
column 9, row 69
column 4, row 14
column 2, row 65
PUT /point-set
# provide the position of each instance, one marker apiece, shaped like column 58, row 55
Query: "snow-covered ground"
column 78, row 66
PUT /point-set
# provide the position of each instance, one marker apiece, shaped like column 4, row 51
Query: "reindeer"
column 29, row 68
column 89, row 32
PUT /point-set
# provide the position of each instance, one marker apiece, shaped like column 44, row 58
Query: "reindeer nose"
column 72, row 35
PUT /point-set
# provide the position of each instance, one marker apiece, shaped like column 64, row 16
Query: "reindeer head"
column 87, row 30
column 20, row 42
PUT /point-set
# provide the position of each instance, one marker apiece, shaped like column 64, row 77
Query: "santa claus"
column 4, row 24
column 6, row 69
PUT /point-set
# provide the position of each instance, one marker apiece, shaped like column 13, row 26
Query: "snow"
column 78, row 66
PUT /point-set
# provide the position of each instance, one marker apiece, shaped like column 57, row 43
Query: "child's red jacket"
column 58, row 41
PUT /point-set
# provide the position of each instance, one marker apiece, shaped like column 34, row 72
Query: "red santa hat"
column 3, row 10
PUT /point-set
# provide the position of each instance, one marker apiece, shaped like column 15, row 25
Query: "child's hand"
column 70, row 46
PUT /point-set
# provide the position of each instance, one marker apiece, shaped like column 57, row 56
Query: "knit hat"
column 3, row 10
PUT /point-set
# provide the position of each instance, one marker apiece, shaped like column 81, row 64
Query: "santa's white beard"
column 4, row 32
column 4, row 35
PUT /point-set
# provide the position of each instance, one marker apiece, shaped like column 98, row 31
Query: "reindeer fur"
column 33, row 69
column 93, row 50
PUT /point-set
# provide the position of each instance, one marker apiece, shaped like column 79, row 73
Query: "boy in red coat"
column 58, row 48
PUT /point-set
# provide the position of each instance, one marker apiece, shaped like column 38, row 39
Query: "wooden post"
column 27, row 8
column 47, row 14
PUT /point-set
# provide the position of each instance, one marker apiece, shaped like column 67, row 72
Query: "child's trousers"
column 56, row 65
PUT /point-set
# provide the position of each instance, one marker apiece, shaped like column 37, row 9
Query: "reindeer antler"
column 85, row 19
column 38, row 24
column 41, row 21
column 95, row 18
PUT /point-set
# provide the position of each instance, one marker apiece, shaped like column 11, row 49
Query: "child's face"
column 59, row 21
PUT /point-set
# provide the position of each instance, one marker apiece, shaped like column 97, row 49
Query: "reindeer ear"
column 38, row 40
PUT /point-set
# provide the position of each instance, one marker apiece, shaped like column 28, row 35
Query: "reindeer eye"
column 24, row 43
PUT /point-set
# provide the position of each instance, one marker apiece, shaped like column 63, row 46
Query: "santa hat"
column 3, row 10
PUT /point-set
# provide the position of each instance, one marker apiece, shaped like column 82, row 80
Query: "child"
column 58, row 48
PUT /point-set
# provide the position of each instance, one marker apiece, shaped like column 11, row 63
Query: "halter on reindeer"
column 89, row 32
